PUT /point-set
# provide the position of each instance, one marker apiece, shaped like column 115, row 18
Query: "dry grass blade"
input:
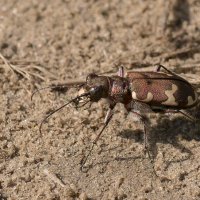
column 53, row 177
column 21, row 62
column 42, row 70
column 179, row 53
column 27, row 69
column 14, row 68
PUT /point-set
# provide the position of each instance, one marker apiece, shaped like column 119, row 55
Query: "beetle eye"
column 96, row 93
column 94, row 90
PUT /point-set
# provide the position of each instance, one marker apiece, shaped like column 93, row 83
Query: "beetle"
column 140, row 93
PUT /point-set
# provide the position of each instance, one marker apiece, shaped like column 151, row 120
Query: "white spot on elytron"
column 170, row 96
column 148, row 99
column 134, row 96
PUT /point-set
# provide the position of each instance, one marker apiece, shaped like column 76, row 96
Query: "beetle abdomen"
column 159, row 89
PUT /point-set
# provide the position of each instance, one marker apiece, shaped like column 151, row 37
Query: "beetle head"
column 96, row 86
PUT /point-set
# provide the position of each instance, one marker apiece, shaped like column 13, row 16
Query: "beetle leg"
column 140, row 109
column 121, row 71
column 107, row 119
column 108, row 115
column 183, row 112
column 143, row 121
column 106, row 122
column 158, row 67
column 187, row 115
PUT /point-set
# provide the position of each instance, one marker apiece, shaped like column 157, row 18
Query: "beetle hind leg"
column 158, row 68
column 182, row 112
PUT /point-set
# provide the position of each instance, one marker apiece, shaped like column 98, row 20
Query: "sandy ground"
column 57, row 41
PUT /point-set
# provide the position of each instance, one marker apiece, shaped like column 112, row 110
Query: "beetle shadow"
column 181, row 13
column 167, row 131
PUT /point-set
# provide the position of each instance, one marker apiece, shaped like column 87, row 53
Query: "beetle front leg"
column 107, row 119
column 106, row 122
column 109, row 114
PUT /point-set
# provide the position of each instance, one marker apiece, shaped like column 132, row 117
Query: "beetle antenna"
column 73, row 100
column 38, row 90
column 84, row 160
column 60, row 87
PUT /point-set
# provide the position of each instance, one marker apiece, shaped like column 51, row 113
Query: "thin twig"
column 14, row 68
column 26, row 68
column 54, row 178
column 180, row 52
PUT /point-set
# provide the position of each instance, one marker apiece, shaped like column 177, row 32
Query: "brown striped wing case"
column 162, row 89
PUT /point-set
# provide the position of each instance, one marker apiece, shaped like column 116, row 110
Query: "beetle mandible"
column 139, row 92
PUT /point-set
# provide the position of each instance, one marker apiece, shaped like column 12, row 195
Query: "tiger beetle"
column 139, row 92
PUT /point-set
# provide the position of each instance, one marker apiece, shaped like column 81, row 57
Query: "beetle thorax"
column 120, row 90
